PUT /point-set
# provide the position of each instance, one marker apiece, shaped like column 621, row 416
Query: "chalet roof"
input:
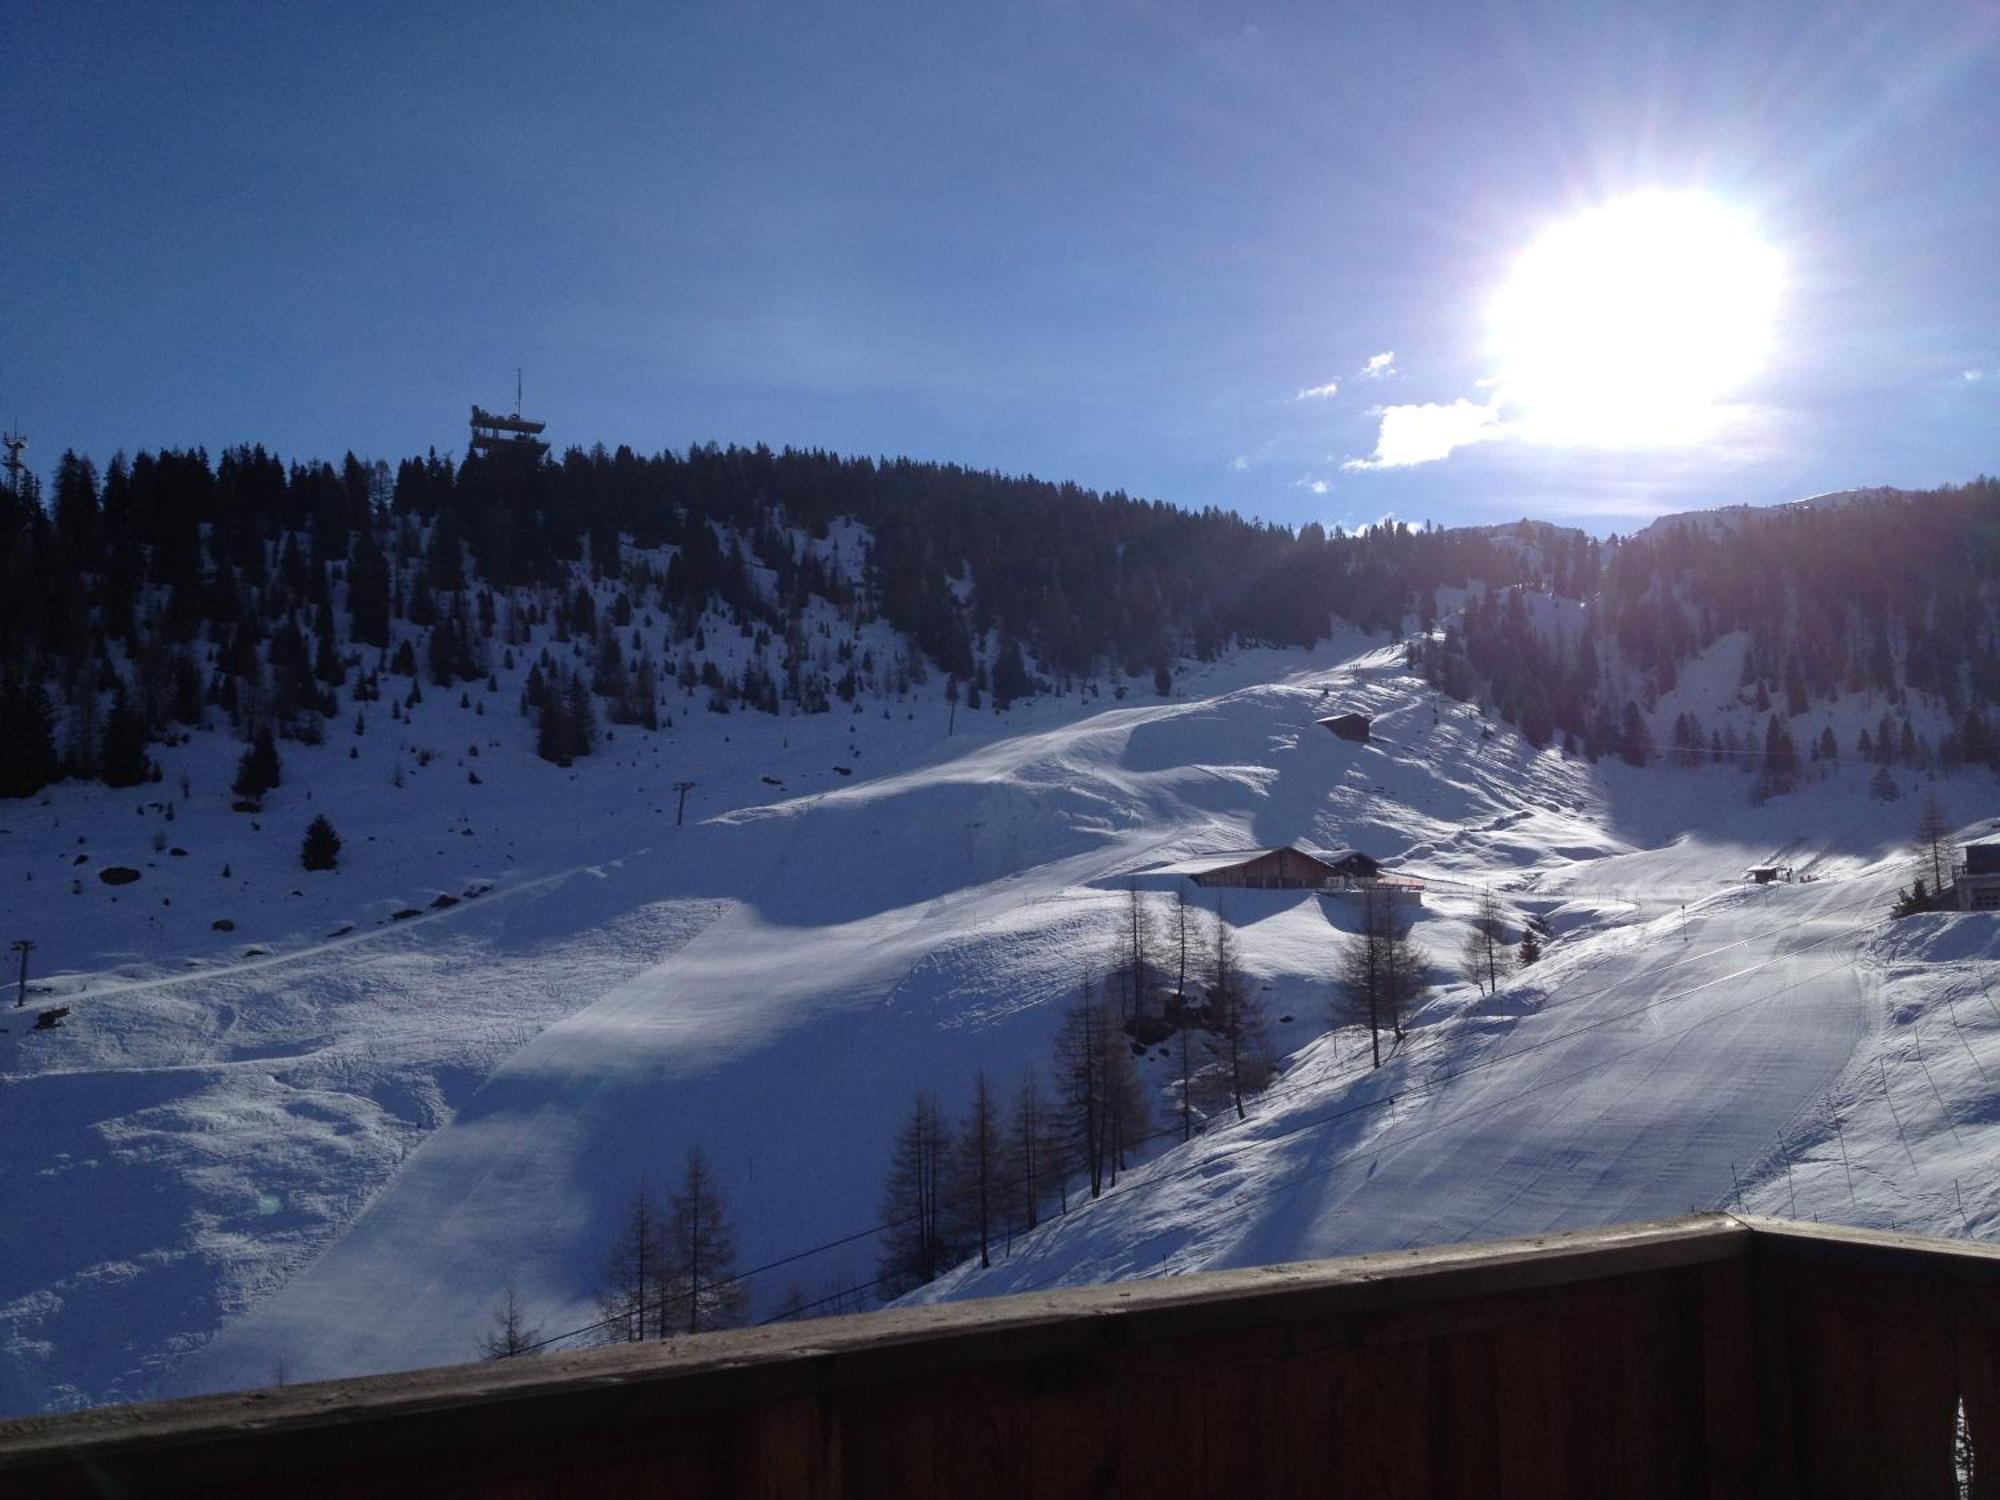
column 1224, row 859
column 1983, row 859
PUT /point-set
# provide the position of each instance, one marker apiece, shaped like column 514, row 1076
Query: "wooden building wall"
column 1278, row 869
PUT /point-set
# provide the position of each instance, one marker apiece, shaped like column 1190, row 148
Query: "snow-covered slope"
column 332, row 1156
column 1723, row 517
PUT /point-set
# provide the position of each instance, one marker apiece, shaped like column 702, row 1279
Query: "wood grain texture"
column 1712, row 1356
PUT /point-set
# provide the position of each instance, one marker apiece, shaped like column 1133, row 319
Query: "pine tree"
column 1403, row 966
column 1079, row 1075
column 1781, row 760
column 1184, row 1057
column 1381, row 975
column 1010, row 674
column 976, row 1190
column 1635, row 745
column 258, row 770
column 441, row 653
column 552, row 730
column 511, row 1333
column 321, row 849
column 581, row 715
column 85, row 732
column 1037, row 1160
column 27, row 738
column 642, row 705
column 368, row 592
column 1134, row 958
column 1530, row 950
column 913, row 1244
column 125, row 761
column 327, row 665
column 697, row 1288
column 1933, row 843
column 1487, row 959
column 1236, row 1019
column 1127, row 1116
column 631, row 1271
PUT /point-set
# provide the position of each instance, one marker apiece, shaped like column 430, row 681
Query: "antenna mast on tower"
column 14, row 443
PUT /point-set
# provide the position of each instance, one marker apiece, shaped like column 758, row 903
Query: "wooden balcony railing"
column 1706, row 1356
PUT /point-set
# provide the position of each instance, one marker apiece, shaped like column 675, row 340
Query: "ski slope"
column 333, row 1156
column 1636, row 1077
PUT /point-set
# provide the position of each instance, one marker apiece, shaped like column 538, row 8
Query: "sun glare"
column 1628, row 325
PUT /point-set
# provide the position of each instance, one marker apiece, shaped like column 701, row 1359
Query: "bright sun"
column 1628, row 325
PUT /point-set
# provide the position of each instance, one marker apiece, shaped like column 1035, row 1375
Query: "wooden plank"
column 1393, row 1457
column 1465, row 1415
column 1729, row 1396
column 1532, row 1442
column 1873, row 1372
column 891, row 1448
column 1164, row 1417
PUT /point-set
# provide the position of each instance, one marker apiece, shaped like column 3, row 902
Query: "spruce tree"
column 125, row 762
column 27, row 738
column 581, row 716
column 1531, row 949
column 258, row 769
column 321, row 849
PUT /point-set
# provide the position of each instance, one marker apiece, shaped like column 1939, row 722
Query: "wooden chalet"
column 1287, row 868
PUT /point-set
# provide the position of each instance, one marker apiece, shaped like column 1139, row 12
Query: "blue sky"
column 1107, row 242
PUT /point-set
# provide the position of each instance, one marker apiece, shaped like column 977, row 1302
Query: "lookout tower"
column 14, row 443
column 493, row 434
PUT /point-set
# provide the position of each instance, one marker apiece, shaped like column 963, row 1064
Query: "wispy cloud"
column 1311, row 485
column 1240, row 462
column 1429, row 431
column 1974, row 375
column 1319, row 392
column 1379, row 365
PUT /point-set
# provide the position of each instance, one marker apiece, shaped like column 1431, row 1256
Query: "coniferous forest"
column 172, row 591
column 1895, row 595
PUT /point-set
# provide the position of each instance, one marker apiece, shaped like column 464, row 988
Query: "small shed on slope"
column 1349, row 726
